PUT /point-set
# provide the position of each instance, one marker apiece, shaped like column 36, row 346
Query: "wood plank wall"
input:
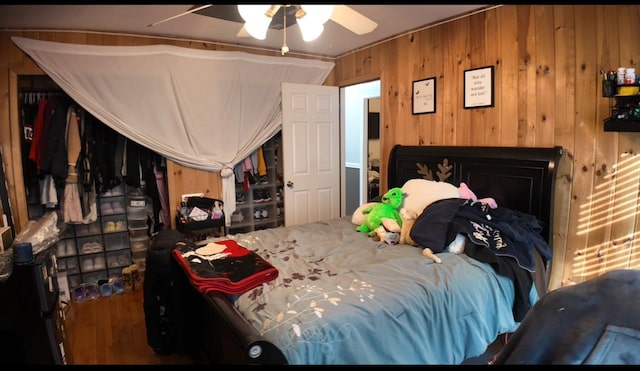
column 547, row 60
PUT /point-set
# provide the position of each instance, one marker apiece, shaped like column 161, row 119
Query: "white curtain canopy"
column 202, row 109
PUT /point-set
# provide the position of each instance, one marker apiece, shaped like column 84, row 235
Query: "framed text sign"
column 478, row 87
column 424, row 96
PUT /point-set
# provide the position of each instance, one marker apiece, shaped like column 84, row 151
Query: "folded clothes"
column 223, row 266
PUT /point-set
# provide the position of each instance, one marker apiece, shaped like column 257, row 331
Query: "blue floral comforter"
column 343, row 298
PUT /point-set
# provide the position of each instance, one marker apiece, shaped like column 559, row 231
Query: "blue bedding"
column 343, row 298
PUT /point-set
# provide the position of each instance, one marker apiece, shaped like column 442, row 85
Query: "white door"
column 311, row 149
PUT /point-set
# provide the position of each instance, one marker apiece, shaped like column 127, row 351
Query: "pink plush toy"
column 468, row 194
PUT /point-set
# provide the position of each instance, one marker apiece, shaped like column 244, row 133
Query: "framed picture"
column 478, row 87
column 424, row 96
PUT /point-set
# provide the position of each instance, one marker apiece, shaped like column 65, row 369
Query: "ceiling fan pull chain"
column 285, row 48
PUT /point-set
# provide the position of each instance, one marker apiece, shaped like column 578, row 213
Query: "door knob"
column 290, row 184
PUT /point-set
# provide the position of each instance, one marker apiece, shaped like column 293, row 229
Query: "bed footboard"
column 240, row 342
column 210, row 330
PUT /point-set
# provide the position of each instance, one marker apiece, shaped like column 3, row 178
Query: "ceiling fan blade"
column 243, row 32
column 355, row 22
column 192, row 10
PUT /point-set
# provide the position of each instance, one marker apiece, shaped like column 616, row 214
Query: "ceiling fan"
column 282, row 17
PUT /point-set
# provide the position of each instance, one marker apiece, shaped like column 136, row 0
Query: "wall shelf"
column 622, row 125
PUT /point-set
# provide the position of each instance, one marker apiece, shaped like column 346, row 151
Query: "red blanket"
column 223, row 266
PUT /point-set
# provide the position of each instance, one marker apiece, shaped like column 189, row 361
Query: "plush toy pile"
column 386, row 209
column 391, row 219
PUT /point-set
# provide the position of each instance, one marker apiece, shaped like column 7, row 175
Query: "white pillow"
column 358, row 217
column 420, row 193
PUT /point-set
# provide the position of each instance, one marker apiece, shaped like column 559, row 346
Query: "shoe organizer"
column 69, row 265
column 89, row 229
column 74, row 280
column 115, row 191
column 90, row 245
column 114, row 223
column 117, row 259
column 94, row 277
column 67, row 232
column 93, row 262
column 116, row 241
column 112, row 205
column 65, row 248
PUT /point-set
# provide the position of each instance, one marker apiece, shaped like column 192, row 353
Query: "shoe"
column 87, row 265
column 121, row 225
column 112, row 261
column 85, row 291
column 71, row 248
column 110, row 226
column 127, row 278
column 118, row 208
column 240, row 198
column 106, row 289
column 123, row 259
column 96, row 247
column 266, row 195
column 87, row 248
column 257, row 196
column 61, row 249
column 117, row 285
column 98, row 263
column 264, row 213
column 135, row 276
column 106, row 209
column 237, row 217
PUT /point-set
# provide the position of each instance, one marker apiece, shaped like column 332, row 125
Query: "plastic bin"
column 139, row 244
column 116, row 241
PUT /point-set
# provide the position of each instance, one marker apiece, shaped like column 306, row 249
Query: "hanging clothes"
column 262, row 165
column 37, row 132
column 72, row 201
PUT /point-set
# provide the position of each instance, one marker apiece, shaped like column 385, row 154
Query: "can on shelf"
column 630, row 76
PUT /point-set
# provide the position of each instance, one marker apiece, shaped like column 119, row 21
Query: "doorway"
column 355, row 101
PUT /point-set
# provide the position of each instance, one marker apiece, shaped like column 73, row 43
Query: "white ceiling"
column 336, row 40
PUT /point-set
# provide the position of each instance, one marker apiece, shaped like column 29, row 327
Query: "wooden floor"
column 111, row 331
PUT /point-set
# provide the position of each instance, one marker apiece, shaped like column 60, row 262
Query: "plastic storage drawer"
column 116, row 241
column 139, row 244
column 114, row 223
column 116, row 259
column 90, row 245
column 112, row 206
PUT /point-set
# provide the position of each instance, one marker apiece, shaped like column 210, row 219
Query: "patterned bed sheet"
column 343, row 298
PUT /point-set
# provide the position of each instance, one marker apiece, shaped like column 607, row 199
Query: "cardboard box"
column 7, row 238
column 63, row 287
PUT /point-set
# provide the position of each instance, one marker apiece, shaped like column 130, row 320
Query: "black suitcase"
column 157, row 304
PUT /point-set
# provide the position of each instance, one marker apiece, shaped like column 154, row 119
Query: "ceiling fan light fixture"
column 258, row 28
column 309, row 29
column 253, row 12
column 318, row 14
column 257, row 19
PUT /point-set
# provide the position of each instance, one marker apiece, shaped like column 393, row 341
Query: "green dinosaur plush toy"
column 387, row 208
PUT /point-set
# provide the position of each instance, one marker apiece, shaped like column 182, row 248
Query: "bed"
column 340, row 297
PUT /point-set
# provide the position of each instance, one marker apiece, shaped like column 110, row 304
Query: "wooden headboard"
column 518, row 178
